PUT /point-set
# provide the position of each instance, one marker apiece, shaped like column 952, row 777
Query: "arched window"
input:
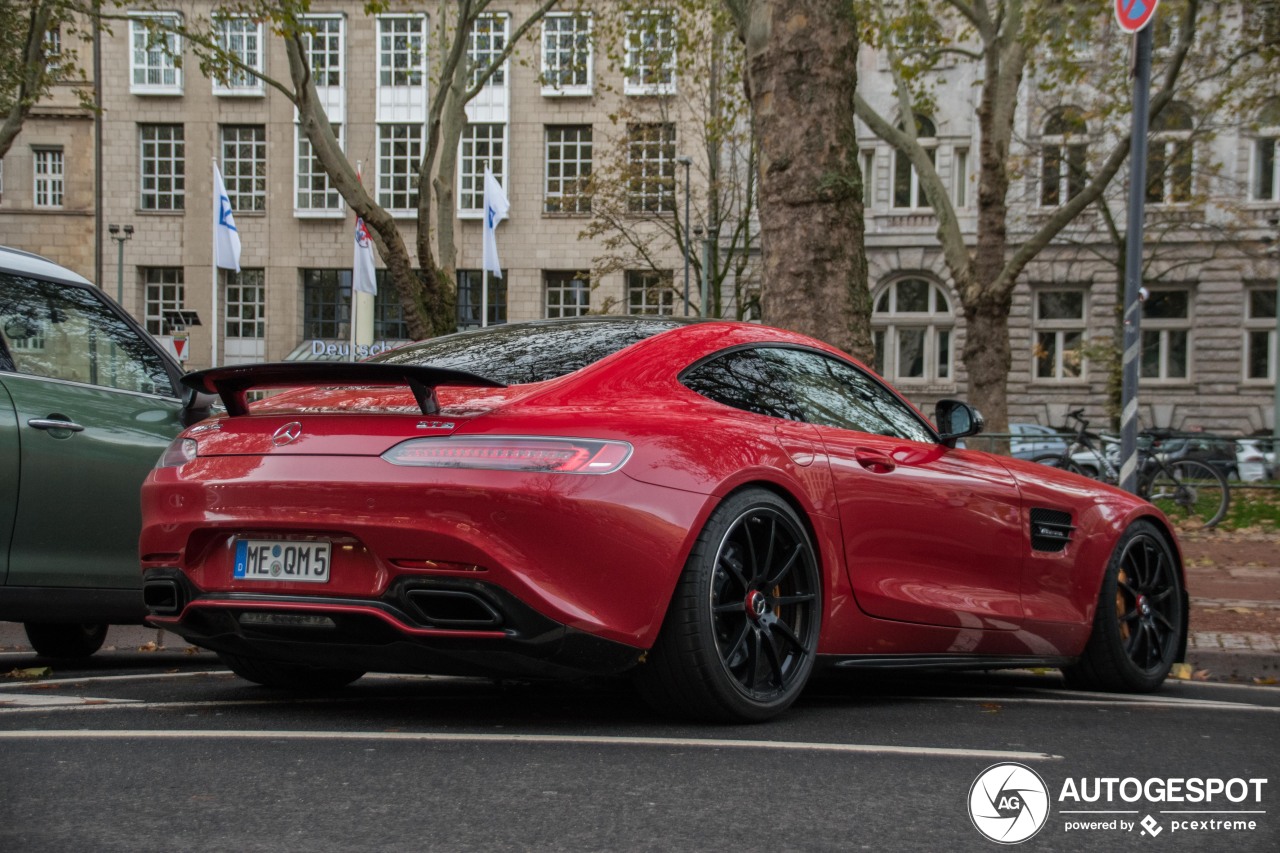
column 1171, row 160
column 1062, row 157
column 907, row 192
column 1266, row 155
column 912, row 325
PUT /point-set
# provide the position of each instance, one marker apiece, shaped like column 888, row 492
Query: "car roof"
column 26, row 263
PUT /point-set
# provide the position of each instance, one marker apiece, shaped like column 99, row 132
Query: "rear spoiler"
column 231, row 383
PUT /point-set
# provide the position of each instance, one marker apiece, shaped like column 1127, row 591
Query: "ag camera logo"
column 1008, row 803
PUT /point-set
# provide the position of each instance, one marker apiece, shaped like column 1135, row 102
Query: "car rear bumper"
column 438, row 626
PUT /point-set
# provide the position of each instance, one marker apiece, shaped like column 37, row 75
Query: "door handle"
column 874, row 461
column 55, row 423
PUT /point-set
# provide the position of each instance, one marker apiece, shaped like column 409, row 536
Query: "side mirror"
column 196, row 406
column 956, row 420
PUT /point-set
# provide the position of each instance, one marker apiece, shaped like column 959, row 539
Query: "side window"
column 743, row 380
column 65, row 332
column 834, row 393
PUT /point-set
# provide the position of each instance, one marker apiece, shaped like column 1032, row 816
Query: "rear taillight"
column 555, row 455
column 179, row 452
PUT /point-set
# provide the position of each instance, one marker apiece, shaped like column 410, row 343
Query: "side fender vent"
column 1051, row 530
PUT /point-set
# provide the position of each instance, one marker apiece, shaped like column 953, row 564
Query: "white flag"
column 226, row 239
column 495, row 210
column 363, row 278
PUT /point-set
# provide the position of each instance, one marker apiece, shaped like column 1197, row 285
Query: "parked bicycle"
column 1186, row 490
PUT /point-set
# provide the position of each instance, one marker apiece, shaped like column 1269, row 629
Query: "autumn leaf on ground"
column 1244, row 610
column 30, row 672
column 1200, row 675
column 1181, row 671
column 1266, row 679
column 148, row 647
column 991, row 708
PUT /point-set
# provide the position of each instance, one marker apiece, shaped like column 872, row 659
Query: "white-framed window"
column 868, row 177
column 1260, row 334
column 400, row 148
column 244, row 166
column 487, row 42
column 162, row 167
column 402, row 50
column 567, row 54
column 323, row 42
column 164, row 291
column 53, row 50
column 246, row 304
column 1266, row 151
column 652, row 168
column 1063, row 152
column 650, row 64
column 241, row 37
column 1059, row 335
column 960, row 178
column 567, row 294
column 650, row 292
column 313, row 192
column 908, row 194
column 153, row 65
column 568, row 166
column 49, row 173
column 1166, row 334
column 912, row 326
column 1171, row 158
column 481, row 144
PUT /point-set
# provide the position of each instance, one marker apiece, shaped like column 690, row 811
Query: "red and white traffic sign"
column 1133, row 15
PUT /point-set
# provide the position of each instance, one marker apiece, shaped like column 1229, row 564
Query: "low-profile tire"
column 65, row 640
column 741, row 634
column 290, row 676
column 1140, row 627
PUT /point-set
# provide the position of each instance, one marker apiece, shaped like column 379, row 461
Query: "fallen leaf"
column 1200, row 675
column 191, row 650
column 1265, row 679
column 148, row 647
column 1181, row 671
column 991, row 708
column 1239, row 610
column 30, row 672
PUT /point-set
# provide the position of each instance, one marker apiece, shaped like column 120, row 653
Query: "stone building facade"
column 1211, row 341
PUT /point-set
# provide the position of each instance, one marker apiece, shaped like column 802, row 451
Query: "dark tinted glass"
column 66, row 332
column 530, row 352
column 743, row 380
column 834, row 393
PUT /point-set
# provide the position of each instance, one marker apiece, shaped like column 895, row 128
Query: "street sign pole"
column 1133, row 257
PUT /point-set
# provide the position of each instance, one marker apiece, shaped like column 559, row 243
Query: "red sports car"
column 717, row 508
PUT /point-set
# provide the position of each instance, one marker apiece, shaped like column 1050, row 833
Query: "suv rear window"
column 531, row 352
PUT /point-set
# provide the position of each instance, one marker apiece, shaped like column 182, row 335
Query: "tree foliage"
column 37, row 52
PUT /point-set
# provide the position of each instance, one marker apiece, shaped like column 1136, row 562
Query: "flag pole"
column 213, row 330
column 351, row 356
column 484, row 273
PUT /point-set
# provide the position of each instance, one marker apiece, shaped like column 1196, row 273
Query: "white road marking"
column 574, row 740
column 115, row 678
column 44, row 701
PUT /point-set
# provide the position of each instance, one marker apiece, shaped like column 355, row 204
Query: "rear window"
column 531, row 352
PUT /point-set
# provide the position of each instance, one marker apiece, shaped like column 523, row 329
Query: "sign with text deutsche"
column 1133, row 15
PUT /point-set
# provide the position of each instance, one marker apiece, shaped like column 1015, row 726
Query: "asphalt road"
column 162, row 750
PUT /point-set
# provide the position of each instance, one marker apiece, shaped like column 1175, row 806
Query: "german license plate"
column 279, row 560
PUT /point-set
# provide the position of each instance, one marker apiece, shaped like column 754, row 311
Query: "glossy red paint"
column 922, row 549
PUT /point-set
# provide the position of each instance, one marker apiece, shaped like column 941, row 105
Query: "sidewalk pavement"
column 1234, row 582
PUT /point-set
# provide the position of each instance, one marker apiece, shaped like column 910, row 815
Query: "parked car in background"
column 1256, row 459
column 88, row 401
column 1031, row 440
column 1214, row 450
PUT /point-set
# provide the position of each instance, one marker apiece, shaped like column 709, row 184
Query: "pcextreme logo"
column 1009, row 803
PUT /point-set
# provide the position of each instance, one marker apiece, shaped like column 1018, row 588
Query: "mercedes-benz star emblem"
column 287, row 434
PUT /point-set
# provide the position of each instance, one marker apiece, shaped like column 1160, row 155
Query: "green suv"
column 88, row 401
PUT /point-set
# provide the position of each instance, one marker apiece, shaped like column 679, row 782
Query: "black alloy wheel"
column 741, row 635
column 1139, row 630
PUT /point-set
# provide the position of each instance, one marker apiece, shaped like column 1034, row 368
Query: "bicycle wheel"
column 1190, row 492
column 1058, row 460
